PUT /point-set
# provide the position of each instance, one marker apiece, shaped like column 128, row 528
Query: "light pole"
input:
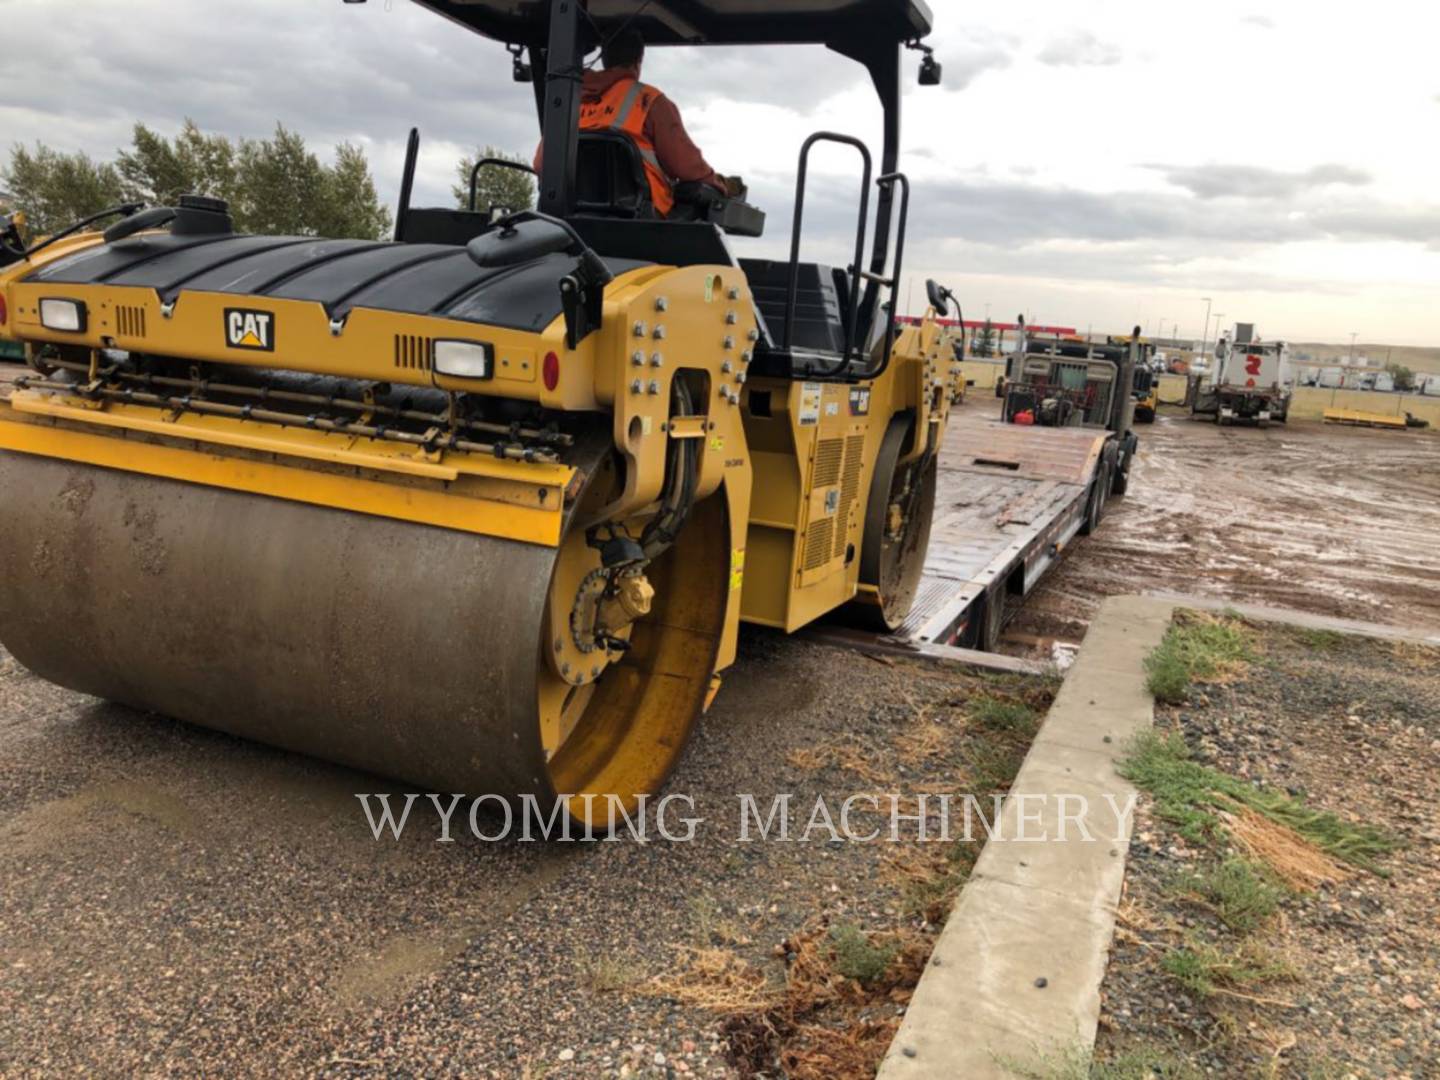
column 1205, row 336
column 1353, row 335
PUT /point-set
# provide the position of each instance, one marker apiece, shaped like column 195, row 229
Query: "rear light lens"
column 550, row 371
column 464, row 359
column 4, row 312
column 67, row 316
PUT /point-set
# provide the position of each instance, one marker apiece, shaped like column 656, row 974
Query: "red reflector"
column 551, row 371
column 3, row 313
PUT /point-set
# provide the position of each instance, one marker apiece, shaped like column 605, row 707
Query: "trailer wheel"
column 1095, row 504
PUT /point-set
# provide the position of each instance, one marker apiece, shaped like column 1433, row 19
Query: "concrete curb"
column 1016, row 973
column 1418, row 634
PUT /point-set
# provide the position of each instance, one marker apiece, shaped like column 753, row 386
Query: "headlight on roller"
column 464, row 359
column 64, row 315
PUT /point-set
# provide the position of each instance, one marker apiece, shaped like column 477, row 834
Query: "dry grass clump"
column 718, row 980
column 1295, row 860
column 849, row 753
column 820, row 1024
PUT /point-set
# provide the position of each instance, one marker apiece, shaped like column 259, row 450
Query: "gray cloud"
column 1021, row 213
column 796, row 77
column 1151, row 265
column 1214, row 181
column 966, row 62
column 1080, row 48
column 1404, row 224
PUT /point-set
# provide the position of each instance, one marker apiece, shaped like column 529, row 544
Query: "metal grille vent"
column 412, row 352
column 827, row 462
column 130, row 321
column 849, row 489
column 817, row 544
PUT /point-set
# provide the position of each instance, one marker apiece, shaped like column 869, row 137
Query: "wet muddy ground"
column 1335, row 521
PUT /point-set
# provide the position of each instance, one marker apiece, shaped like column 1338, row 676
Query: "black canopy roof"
column 706, row 22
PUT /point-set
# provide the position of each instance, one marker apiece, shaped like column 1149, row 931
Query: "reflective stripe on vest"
column 616, row 111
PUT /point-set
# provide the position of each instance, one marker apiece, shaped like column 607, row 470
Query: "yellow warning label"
column 737, row 568
column 717, row 443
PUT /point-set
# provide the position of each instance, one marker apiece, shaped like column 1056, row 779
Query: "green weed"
column 1241, row 894
column 1189, row 794
column 856, row 957
column 1206, row 970
column 1194, row 648
column 1317, row 638
column 1001, row 715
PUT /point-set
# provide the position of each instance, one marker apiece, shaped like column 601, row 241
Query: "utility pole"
column 1353, row 335
column 1205, row 337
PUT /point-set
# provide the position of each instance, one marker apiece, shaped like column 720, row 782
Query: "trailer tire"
column 1095, row 504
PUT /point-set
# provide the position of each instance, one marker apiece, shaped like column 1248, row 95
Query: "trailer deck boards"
column 1009, row 499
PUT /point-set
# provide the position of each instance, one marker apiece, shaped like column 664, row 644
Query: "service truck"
column 1249, row 380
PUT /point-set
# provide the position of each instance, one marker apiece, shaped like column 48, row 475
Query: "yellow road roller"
column 480, row 508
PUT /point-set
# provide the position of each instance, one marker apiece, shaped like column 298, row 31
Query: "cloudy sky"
column 1089, row 163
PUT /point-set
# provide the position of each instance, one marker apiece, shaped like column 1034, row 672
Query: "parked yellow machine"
column 481, row 508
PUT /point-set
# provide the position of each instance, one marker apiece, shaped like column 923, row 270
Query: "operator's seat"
column 610, row 178
column 822, row 312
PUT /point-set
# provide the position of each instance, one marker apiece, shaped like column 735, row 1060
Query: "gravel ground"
column 1353, row 725
column 179, row 901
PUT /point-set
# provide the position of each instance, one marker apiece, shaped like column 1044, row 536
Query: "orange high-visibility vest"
column 624, row 108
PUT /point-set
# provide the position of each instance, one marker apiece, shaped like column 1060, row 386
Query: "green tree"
column 279, row 185
column 984, row 343
column 273, row 186
column 55, row 190
column 349, row 205
column 497, row 185
column 158, row 172
column 1403, row 376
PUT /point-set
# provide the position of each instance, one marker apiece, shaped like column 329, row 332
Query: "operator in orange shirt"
column 614, row 99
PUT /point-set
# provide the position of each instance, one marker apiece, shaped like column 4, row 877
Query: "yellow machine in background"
column 482, row 508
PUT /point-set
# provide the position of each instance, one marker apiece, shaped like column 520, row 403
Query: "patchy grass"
column 1002, row 714
column 1317, row 638
column 1143, row 1061
column 1241, row 894
column 712, row 925
column 856, row 956
column 1193, row 797
column 1207, row 970
column 611, row 974
column 992, row 767
column 1196, row 647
